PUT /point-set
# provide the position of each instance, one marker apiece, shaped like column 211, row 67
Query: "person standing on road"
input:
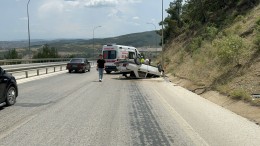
column 160, row 68
column 146, row 61
column 100, row 67
column 142, row 60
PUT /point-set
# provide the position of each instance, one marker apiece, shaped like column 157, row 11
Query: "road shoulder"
column 239, row 107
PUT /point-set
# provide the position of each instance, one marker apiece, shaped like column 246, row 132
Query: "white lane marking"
column 195, row 137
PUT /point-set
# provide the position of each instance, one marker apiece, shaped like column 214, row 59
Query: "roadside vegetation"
column 12, row 54
column 216, row 45
column 46, row 52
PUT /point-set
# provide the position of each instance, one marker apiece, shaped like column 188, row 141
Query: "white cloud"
column 153, row 20
column 76, row 18
column 136, row 18
column 136, row 24
column 72, row 3
column 66, row 16
column 134, row 1
column 51, row 7
column 23, row 18
column 116, row 14
column 101, row 3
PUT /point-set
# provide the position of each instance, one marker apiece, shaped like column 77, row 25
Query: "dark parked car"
column 78, row 64
column 8, row 88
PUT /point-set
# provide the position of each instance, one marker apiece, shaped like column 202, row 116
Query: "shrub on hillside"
column 240, row 18
column 257, row 38
column 167, row 60
column 258, row 22
column 229, row 49
column 240, row 94
column 210, row 32
column 194, row 45
column 257, row 41
column 238, row 27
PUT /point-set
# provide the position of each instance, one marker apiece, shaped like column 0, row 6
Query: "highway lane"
column 76, row 109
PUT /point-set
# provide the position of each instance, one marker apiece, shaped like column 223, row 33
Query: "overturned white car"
column 138, row 70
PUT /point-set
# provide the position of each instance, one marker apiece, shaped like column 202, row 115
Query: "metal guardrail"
column 23, row 72
column 26, row 72
column 34, row 67
column 29, row 61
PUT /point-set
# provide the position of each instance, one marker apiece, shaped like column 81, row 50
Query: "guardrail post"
column 26, row 74
column 26, row 70
column 54, row 69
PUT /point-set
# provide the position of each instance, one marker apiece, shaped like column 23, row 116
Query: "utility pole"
column 29, row 37
column 155, row 35
column 162, row 39
column 93, row 40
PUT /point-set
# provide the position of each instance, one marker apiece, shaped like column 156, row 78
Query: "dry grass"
column 238, row 79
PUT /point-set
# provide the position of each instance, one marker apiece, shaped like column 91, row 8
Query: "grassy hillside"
column 224, row 59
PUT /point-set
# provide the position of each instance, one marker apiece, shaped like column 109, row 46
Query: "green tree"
column 194, row 14
column 12, row 54
column 47, row 52
column 173, row 22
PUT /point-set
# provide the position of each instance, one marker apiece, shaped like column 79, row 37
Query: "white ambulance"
column 114, row 53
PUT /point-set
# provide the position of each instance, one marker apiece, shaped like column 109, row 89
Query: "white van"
column 114, row 53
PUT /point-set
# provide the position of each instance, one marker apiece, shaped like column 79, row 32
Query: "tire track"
column 146, row 129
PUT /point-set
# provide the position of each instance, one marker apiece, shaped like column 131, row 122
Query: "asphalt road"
column 76, row 109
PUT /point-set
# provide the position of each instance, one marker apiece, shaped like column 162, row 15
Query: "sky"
column 69, row 19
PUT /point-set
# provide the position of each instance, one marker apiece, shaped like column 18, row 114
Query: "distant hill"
column 136, row 39
column 79, row 47
column 20, row 44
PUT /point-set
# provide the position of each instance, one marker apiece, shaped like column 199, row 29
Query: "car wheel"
column 89, row 68
column 84, row 70
column 11, row 96
column 70, row 71
column 108, row 72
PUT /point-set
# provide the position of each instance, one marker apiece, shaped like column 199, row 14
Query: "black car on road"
column 8, row 88
column 78, row 64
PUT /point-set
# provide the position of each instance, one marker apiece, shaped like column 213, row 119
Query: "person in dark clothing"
column 160, row 68
column 100, row 67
